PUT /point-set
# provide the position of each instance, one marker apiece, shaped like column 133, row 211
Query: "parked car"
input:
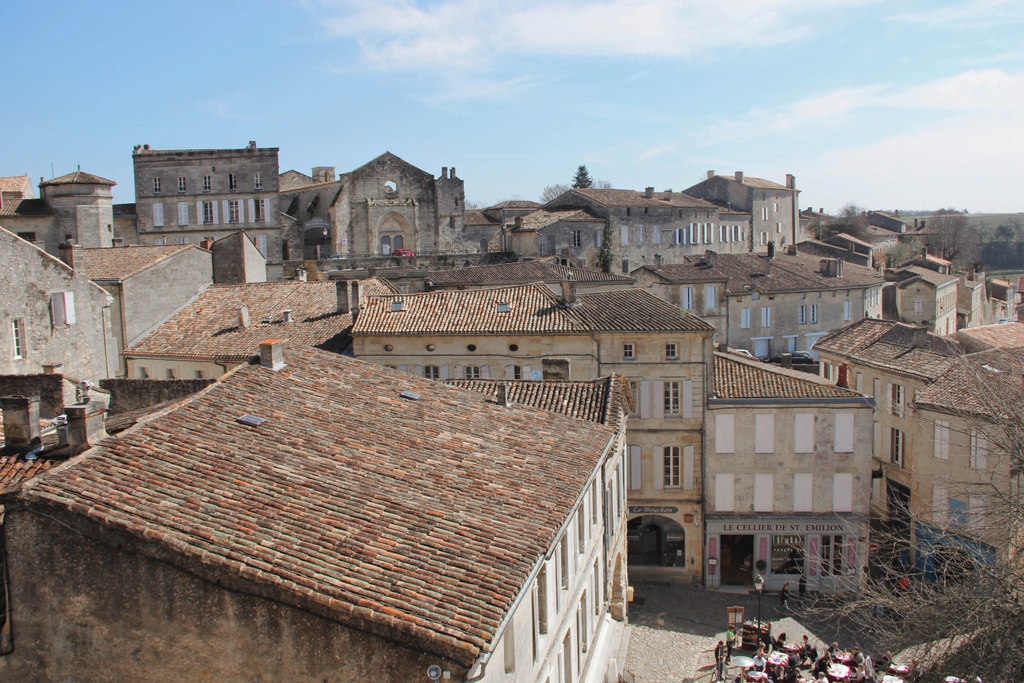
column 742, row 352
column 402, row 252
column 799, row 358
column 334, row 257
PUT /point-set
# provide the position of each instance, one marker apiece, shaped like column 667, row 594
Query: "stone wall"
column 132, row 394
column 49, row 389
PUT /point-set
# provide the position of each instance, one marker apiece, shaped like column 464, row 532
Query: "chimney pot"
column 723, row 347
column 86, row 426
column 52, row 368
column 711, row 174
column 791, row 181
column 771, row 250
column 272, row 354
column 243, row 317
column 21, row 423
column 301, row 275
column 739, row 176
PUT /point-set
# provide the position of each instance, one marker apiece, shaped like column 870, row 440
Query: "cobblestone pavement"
column 674, row 629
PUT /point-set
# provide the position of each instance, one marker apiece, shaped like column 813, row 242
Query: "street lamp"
column 759, row 587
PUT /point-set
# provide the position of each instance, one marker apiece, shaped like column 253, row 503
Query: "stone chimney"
column 648, row 192
column 86, row 426
column 21, row 423
column 791, row 181
column 243, row 317
column 771, row 250
column 791, row 250
column 668, row 193
column 739, row 176
column 341, row 288
column 323, row 174
column 52, row 368
column 452, row 174
column 786, row 360
column 272, row 354
column 502, row 398
column 710, row 257
column 67, row 253
column 301, row 275
column 843, row 380
column 519, row 223
column 657, row 260
column 444, row 172
column 723, row 347
column 568, row 293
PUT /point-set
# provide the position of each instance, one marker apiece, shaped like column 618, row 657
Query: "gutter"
column 852, row 401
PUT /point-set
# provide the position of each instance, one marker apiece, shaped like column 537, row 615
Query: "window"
column 896, row 400
column 182, row 183
column 764, row 433
column 896, row 446
column 918, row 307
column 634, row 390
column 233, row 211
column 171, row 374
column 710, row 297
column 577, row 238
column 843, row 436
column 627, row 352
column 158, row 215
column 831, row 555
column 143, row 373
column 200, row 374
column 745, row 318
column 18, row 337
column 472, row 372
column 764, row 492
column 979, row 450
column 671, row 352
column 207, row 183
column 624, row 236
column 672, row 398
column 686, row 295
column 261, row 245
column 788, row 554
column 766, row 316
column 725, row 429
column 431, row 372
column 640, row 235
column 259, row 210
column 208, row 213
column 232, row 182
column 62, row 309
column 802, row 315
column 257, row 180
column 542, row 598
column 156, row 186
column 842, row 492
column 942, row 439
column 517, row 372
column 671, row 467
column 814, row 313
column 563, row 573
column 846, row 310
column 764, row 213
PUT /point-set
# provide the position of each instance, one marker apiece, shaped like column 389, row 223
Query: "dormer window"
column 503, row 307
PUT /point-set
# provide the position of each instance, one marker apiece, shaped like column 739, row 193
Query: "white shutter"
column 158, row 215
column 199, row 213
column 725, row 425
column 687, row 398
column 842, row 492
column 659, row 467
column 803, row 486
column 764, row 492
column 527, row 372
column 635, row 468
column 657, row 398
column 657, row 235
column 460, row 373
column 444, row 372
column 182, row 213
column 688, row 481
column 57, row 309
column 266, row 209
column 216, row 221
column 226, row 213
column 645, row 399
column 803, row 433
column 403, row 368
column 69, row 308
column 261, row 245
column 764, row 433
column 625, row 235
column 844, row 433
column 723, row 493
column 252, row 210
column 418, row 370
column 510, row 372
column 942, row 439
column 888, row 397
column 241, row 210
column 485, row 372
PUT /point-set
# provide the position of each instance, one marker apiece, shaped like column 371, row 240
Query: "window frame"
column 628, row 351
column 18, row 338
column 672, row 397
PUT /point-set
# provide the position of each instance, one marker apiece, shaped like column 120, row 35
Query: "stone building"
column 528, row 332
column 50, row 313
column 787, row 478
column 76, row 208
column 147, row 284
column 924, row 297
column 641, row 225
column 189, row 195
column 774, row 209
column 770, row 303
column 526, row 272
column 218, row 330
column 385, row 205
column 490, row 228
column 411, row 527
column 236, row 259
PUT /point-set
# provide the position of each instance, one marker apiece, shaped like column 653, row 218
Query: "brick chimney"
column 648, row 192
column 86, row 426
column 21, row 423
column 67, row 253
column 444, row 172
column 791, row 181
column 657, row 260
column 568, row 293
column 843, row 380
column 272, row 354
column 739, row 176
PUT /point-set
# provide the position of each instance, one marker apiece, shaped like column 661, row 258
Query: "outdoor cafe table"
column 899, row 669
column 795, row 649
column 838, row 672
column 742, row 662
column 844, row 657
column 778, row 659
column 757, row 676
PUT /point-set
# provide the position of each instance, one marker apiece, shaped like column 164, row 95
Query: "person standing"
column 784, row 597
column 730, row 636
column 720, row 656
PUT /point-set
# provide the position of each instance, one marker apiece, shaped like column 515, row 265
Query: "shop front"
column 663, row 536
column 829, row 551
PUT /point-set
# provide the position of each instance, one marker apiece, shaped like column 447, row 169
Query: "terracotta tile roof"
column 480, row 218
column 14, row 183
column 787, row 273
column 757, row 183
column 599, row 400
column 1001, row 336
column 624, row 198
column 207, row 327
column 15, row 470
column 513, row 204
column 739, row 378
column 79, row 178
column 983, row 383
column 118, row 263
column 520, row 272
column 928, row 275
column 892, row 346
column 25, row 207
column 532, row 309
column 415, row 519
column 541, row 218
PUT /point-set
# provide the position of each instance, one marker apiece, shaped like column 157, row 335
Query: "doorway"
column 653, row 540
column 737, row 560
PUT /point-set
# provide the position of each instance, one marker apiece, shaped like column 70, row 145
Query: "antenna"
column 51, row 170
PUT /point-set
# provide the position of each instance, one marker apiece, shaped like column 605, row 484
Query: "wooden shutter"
column 158, row 215
column 723, row 493
column 687, row 398
column 842, row 492
column 764, row 492
column 510, row 372
column 635, row 468
column 659, row 467
column 444, row 372
column 843, row 433
column 725, row 426
column 803, row 433
column 688, row 478
column 657, row 398
column 485, row 372
column 645, row 399
column 215, row 218
column 199, row 213
column 803, row 487
column 252, row 210
column 418, row 370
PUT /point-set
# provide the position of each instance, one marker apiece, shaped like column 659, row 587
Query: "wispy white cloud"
column 969, row 14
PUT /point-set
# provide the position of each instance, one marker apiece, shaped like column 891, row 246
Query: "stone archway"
column 393, row 232
column 655, row 540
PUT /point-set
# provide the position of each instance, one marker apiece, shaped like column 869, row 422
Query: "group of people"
column 779, row 661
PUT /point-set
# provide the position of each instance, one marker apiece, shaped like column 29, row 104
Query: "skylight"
column 396, row 305
column 251, row 420
column 503, row 307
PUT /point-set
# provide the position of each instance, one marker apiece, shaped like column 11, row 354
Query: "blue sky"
column 911, row 105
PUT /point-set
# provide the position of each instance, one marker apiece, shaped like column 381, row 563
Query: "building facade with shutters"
column 787, row 479
column 190, row 195
column 528, row 332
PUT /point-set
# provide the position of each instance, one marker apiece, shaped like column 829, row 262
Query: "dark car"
column 402, row 252
column 799, row 358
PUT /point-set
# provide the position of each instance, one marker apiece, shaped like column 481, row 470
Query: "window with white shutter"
column 688, row 471
column 710, row 297
column 842, row 492
column 725, row 429
column 803, row 433
column 687, row 298
column 764, row 492
column 766, row 316
column 182, row 213
column 158, row 215
column 724, row 493
column 942, row 439
column 843, row 442
column 979, row 450
column 764, row 433
column 635, row 468
column 803, row 492
column 625, row 235
column 745, row 318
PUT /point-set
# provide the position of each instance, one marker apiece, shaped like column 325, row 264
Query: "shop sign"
column 653, row 509
column 792, row 527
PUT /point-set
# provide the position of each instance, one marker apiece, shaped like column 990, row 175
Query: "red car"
column 402, row 252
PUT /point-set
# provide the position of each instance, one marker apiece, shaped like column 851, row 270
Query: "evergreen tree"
column 605, row 256
column 582, row 178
